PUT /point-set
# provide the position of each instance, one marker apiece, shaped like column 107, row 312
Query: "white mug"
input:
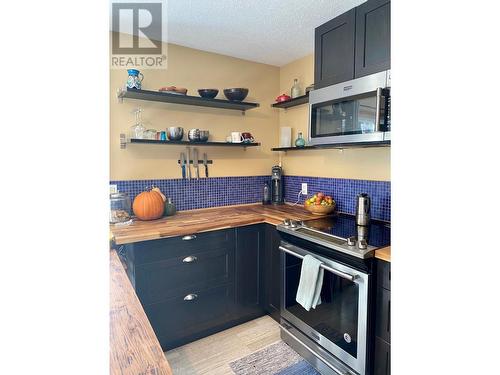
column 236, row 137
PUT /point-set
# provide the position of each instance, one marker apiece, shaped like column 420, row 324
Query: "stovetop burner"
column 340, row 232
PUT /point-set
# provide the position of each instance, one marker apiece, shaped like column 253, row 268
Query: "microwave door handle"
column 377, row 109
column 329, row 269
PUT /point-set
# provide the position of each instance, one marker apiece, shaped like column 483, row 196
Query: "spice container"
column 120, row 208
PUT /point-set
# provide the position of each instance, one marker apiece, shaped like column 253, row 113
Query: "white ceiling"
column 267, row 31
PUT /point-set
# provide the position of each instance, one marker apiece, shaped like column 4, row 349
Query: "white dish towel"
column 311, row 281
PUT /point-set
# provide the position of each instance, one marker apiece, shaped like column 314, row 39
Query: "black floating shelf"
column 187, row 143
column 157, row 96
column 335, row 146
column 292, row 102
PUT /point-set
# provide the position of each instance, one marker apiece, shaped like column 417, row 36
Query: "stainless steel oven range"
column 336, row 336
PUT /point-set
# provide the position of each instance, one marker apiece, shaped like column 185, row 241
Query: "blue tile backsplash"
column 344, row 192
column 226, row 191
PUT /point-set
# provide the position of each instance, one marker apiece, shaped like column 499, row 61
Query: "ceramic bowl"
column 208, row 93
column 236, row 94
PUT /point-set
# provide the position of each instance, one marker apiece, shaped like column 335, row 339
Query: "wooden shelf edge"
column 157, row 96
column 194, row 144
column 292, row 102
column 335, row 146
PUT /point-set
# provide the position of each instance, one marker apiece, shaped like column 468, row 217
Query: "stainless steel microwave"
column 356, row 111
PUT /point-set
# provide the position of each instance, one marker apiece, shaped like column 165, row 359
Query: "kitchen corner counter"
column 134, row 348
column 384, row 254
column 208, row 219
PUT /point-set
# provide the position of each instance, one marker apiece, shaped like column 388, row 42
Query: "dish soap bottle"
column 295, row 92
column 300, row 141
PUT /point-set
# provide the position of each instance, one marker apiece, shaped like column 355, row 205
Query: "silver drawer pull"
column 190, row 259
column 189, row 237
column 191, row 297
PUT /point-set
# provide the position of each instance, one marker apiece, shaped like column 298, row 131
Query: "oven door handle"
column 329, row 269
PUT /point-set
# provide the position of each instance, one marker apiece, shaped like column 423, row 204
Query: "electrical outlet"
column 304, row 188
column 113, row 189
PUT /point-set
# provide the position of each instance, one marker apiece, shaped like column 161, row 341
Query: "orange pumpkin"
column 148, row 205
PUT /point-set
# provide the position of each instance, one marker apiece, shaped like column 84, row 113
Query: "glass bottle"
column 295, row 92
column 138, row 130
column 170, row 209
column 300, row 141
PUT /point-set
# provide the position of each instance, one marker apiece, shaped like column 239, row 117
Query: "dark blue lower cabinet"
column 250, row 271
column 382, row 350
column 272, row 282
column 185, row 318
column 382, row 357
column 194, row 286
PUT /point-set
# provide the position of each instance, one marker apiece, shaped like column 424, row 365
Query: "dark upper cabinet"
column 272, row 272
column 373, row 37
column 354, row 44
column 334, row 50
column 249, row 270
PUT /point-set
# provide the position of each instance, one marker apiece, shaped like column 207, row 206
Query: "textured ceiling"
column 268, row 31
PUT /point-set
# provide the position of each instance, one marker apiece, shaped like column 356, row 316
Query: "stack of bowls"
column 197, row 135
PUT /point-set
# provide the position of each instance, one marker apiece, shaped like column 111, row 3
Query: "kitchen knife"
column 195, row 163
column 205, row 163
column 189, row 163
column 183, row 165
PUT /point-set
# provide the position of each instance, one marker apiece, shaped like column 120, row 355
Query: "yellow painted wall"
column 196, row 69
column 367, row 164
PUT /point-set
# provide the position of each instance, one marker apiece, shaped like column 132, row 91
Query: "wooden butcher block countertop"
column 208, row 219
column 134, row 348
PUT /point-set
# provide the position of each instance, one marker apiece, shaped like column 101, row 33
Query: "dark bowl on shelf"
column 236, row 94
column 208, row 93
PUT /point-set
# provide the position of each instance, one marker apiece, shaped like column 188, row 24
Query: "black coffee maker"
column 277, row 185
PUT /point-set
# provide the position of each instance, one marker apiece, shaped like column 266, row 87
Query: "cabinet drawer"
column 384, row 274
column 154, row 282
column 181, row 316
column 158, row 250
column 383, row 315
column 382, row 357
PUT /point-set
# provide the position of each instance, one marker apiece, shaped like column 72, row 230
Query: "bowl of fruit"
column 320, row 204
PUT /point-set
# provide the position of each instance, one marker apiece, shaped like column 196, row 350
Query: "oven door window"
column 334, row 118
column 336, row 318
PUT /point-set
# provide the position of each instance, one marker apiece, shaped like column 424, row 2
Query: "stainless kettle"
column 363, row 206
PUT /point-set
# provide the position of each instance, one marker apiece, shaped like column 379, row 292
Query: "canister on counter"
column 163, row 136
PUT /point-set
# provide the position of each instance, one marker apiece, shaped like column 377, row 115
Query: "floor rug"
column 276, row 359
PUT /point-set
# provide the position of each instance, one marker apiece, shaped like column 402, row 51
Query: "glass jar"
column 120, row 208
column 295, row 91
column 300, row 141
column 170, row 209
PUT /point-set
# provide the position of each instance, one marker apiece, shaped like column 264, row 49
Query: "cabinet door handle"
column 190, row 259
column 189, row 237
column 190, row 297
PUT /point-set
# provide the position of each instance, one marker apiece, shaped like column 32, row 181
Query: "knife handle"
column 183, row 171
column 206, row 170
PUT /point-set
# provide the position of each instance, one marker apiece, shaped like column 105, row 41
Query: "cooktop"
column 340, row 232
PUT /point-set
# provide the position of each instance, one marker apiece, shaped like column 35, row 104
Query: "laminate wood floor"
column 212, row 354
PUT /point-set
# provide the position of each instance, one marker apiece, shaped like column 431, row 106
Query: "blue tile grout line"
column 227, row 191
